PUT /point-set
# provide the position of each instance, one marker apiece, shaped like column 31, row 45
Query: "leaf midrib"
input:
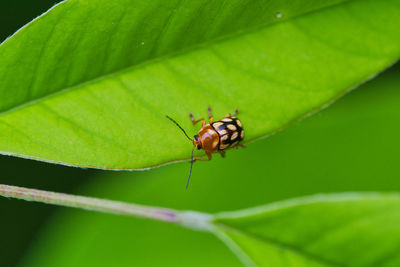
column 155, row 59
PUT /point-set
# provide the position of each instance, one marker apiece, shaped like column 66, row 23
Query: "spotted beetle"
column 215, row 136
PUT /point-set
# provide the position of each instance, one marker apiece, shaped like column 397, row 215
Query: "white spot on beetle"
column 215, row 143
column 231, row 127
column 223, row 138
column 242, row 134
column 227, row 119
column 234, row 136
column 223, row 146
column 222, row 132
column 217, row 124
column 239, row 123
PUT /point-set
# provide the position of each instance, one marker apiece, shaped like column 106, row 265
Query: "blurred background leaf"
column 351, row 146
column 90, row 83
column 319, row 230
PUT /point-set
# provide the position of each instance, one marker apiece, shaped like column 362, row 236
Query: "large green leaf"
column 89, row 83
column 349, row 147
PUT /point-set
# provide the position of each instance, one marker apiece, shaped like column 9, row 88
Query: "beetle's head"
column 197, row 142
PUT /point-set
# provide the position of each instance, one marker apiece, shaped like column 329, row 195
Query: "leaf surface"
column 325, row 230
column 90, row 83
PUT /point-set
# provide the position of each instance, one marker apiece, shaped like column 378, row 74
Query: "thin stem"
column 191, row 219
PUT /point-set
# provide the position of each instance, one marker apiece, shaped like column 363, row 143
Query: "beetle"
column 215, row 136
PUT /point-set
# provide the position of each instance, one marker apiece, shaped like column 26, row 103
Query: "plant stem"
column 190, row 219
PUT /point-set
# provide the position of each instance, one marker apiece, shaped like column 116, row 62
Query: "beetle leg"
column 210, row 116
column 239, row 145
column 199, row 159
column 222, row 152
column 195, row 121
column 235, row 113
column 199, row 120
column 209, row 156
column 232, row 115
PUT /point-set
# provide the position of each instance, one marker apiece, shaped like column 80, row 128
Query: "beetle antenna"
column 191, row 166
column 180, row 128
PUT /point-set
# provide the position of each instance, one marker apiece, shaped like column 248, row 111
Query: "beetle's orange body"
column 215, row 136
column 208, row 138
column 220, row 135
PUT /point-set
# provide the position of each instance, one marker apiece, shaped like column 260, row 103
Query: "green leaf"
column 324, row 230
column 313, row 231
column 90, row 83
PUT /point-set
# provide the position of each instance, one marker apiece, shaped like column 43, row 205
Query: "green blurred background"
column 351, row 146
